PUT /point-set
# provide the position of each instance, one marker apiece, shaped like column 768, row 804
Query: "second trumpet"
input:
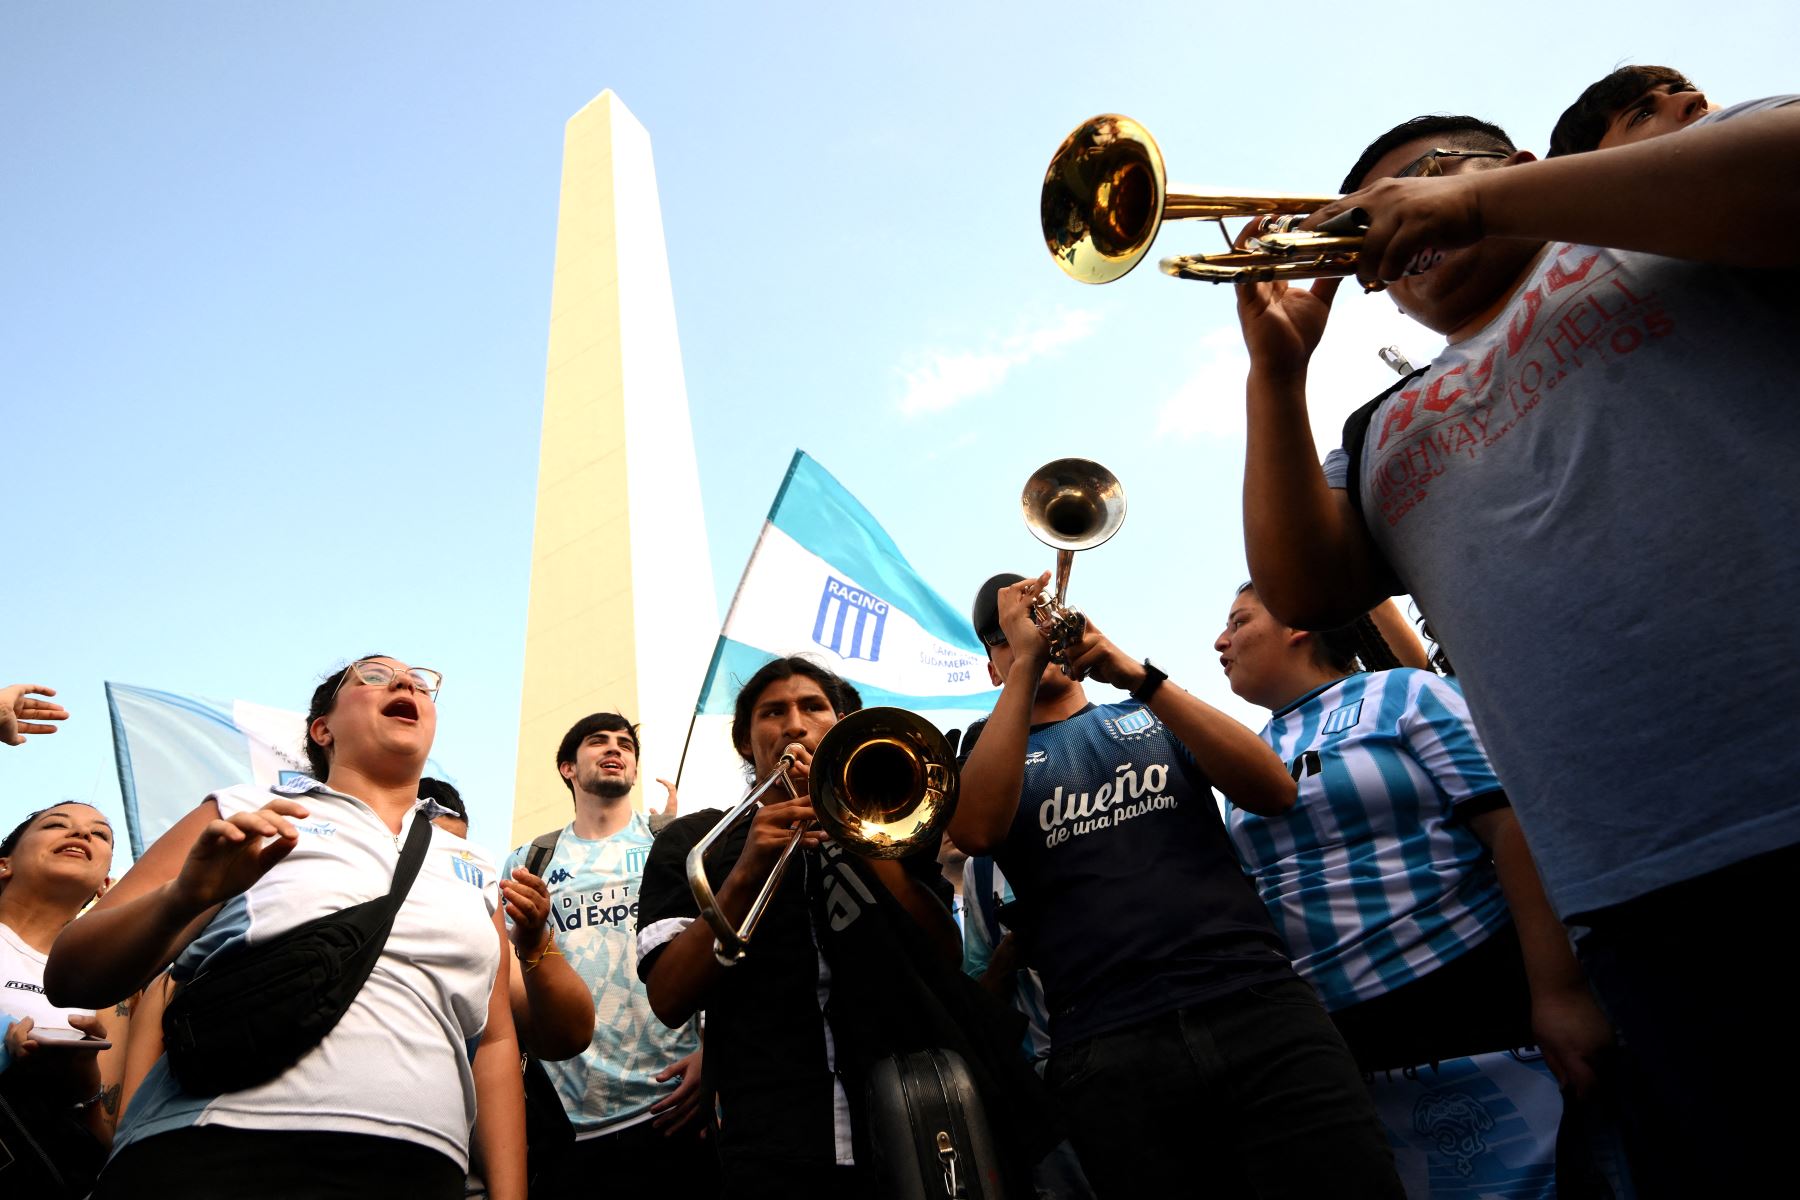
column 1070, row 504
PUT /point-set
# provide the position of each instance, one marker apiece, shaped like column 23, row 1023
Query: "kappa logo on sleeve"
column 1036, row 758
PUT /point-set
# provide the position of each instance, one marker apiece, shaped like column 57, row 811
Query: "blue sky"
column 274, row 285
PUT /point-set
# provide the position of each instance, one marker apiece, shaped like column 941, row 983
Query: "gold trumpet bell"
column 883, row 782
column 1102, row 201
column 1106, row 195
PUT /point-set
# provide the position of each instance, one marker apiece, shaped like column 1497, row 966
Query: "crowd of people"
column 1549, row 832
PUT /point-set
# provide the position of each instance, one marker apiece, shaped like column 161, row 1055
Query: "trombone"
column 1106, row 195
column 1070, row 504
column 883, row 783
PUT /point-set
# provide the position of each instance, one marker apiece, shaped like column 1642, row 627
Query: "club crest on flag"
column 850, row 621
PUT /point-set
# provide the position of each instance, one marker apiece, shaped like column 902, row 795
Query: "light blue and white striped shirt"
column 985, row 890
column 1373, row 877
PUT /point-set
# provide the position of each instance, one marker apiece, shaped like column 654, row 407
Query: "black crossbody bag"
column 251, row 1015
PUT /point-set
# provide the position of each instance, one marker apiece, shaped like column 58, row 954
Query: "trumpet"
column 1106, row 195
column 883, row 783
column 1070, row 504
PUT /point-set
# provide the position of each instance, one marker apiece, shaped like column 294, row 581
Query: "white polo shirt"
column 399, row 1062
column 22, row 985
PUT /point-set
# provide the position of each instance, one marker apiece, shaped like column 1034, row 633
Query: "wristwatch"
column 1153, row 679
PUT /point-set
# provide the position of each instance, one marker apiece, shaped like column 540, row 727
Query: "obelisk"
column 622, row 613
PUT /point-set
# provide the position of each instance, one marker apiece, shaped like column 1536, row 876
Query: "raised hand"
column 233, row 853
column 1411, row 223
column 527, row 901
column 670, row 809
column 1095, row 655
column 22, row 712
column 1283, row 323
column 1023, row 637
column 770, row 831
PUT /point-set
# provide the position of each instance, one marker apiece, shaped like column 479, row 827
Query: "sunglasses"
column 1429, row 165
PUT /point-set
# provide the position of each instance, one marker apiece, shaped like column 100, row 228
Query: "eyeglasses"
column 380, row 674
column 1429, row 165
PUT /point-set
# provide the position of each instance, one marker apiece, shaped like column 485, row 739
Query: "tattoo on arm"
column 122, row 1008
column 109, row 1100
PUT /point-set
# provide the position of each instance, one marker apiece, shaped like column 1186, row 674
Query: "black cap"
column 985, row 616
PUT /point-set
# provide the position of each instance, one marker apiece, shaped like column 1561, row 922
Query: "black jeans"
column 638, row 1161
column 1691, row 977
column 1252, row 1094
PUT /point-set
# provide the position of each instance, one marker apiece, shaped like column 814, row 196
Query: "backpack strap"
column 543, row 849
column 1356, row 435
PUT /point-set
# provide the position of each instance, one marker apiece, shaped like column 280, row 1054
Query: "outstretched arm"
column 163, row 902
column 1239, row 763
column 1699, row 194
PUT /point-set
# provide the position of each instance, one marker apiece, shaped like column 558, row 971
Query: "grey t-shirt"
column 1596, row 503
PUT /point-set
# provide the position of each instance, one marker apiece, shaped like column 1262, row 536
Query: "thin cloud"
column 1345, row 372
column 942, row 379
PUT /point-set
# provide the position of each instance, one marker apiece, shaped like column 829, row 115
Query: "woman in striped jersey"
column 1400, row 878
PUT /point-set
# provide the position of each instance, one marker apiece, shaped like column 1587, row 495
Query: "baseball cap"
column 985, row 616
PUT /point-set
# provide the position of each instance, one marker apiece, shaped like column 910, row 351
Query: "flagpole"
column 737, row 593
column 127, row 781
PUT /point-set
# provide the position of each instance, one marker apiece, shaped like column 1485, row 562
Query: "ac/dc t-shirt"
column 1577, row 495
column 1131, row 901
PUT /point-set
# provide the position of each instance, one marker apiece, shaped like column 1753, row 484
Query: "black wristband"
column 1153, row 679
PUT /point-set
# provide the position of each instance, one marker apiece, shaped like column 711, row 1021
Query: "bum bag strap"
column 411, row 855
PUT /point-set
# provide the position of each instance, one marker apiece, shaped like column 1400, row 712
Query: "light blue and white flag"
column 826, row 580
column 173, row 750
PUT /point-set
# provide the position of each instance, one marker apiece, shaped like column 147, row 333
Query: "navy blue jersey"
column 1131, row 900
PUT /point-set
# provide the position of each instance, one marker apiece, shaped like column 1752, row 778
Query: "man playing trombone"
column 854, row 958
column 1186, row 1057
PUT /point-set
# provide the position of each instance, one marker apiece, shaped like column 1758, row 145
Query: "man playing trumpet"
column 1549, row 489
column 1185, row 1054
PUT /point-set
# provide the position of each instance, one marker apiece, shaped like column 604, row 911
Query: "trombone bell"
column 886, row 786
column 883, row 784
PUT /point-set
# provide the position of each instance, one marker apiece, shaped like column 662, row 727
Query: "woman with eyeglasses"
column 384, row 1104
column 59, row 1066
